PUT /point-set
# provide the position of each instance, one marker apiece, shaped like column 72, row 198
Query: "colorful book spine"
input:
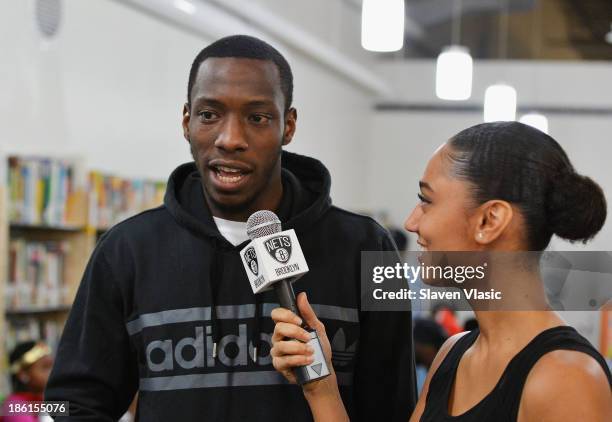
column 112, row 198
column 36, row 274
column 39, row 189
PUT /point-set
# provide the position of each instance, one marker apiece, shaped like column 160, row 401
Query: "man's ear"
column 186, row 118
column 290, row 123
column 492, row 219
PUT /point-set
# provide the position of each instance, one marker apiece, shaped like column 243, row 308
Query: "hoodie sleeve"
column 95, row 369
column 385, row 379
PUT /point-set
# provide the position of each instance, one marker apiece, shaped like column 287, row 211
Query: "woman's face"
column 442, row 219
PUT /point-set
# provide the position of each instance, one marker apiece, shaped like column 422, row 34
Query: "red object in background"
column 448, row 321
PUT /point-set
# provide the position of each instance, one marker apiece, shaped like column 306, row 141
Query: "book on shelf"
column 113, row 198
column 20, row 330
column 31, row 329
column 51, row 333
column 36, row 274
column 39, row 189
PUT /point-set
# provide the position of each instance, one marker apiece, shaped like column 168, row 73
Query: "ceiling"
column 513, row 29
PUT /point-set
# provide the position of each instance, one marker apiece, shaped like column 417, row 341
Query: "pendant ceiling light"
column 454, row 66
column 500, row 103
column 382, row 25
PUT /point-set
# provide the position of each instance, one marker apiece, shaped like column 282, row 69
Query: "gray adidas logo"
column 163, row 354
column 195, row 351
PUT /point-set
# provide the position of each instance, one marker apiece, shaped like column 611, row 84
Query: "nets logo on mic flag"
column 249, row 257
column 279, row 248
column 271, row 258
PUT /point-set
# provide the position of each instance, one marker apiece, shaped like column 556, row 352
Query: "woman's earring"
column 480, row 235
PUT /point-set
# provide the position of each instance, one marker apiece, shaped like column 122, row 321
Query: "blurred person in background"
column 30, row 366
column 495, row 187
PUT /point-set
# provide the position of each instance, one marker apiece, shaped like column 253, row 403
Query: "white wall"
column 402, row 142
column 110, row 88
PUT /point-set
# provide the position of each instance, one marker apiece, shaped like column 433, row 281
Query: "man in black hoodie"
column 165, row 308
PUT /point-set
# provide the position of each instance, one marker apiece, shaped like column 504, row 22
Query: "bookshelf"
column 3, row 272
column 48, row 229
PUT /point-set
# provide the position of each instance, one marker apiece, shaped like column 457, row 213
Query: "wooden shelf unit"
column 80, row 241
column 76, row 233
column 4, row 229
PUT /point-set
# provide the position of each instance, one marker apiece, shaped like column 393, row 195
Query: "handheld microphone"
column 274, row 259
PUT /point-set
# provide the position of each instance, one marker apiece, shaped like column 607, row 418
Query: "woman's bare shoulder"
column 566, row 385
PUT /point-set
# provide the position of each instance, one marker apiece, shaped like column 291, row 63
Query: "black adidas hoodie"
column 165, row 308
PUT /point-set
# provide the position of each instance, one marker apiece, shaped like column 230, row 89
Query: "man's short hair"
column 247, row 47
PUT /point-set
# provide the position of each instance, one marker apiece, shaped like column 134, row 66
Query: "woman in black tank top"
column 503, row 402
column 494, row 187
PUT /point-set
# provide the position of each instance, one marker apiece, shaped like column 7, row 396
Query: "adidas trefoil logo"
column 341, row 354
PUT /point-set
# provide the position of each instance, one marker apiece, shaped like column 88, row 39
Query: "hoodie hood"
column 306, row 185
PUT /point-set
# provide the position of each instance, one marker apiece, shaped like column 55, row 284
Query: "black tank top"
column 502, row 403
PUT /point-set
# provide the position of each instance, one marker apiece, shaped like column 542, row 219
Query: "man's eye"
column 208, row 115
column 259, row 118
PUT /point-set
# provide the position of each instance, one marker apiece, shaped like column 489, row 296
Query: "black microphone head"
column 263, row 223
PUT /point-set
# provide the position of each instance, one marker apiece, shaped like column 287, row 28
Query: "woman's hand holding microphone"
column 322, row 395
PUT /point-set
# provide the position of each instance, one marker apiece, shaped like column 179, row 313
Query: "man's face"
column 236, row 127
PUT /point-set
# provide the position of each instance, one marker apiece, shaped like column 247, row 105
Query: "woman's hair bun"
column 576, row 207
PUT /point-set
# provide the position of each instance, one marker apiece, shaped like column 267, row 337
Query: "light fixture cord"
column 456, row 29
column 503, row 30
